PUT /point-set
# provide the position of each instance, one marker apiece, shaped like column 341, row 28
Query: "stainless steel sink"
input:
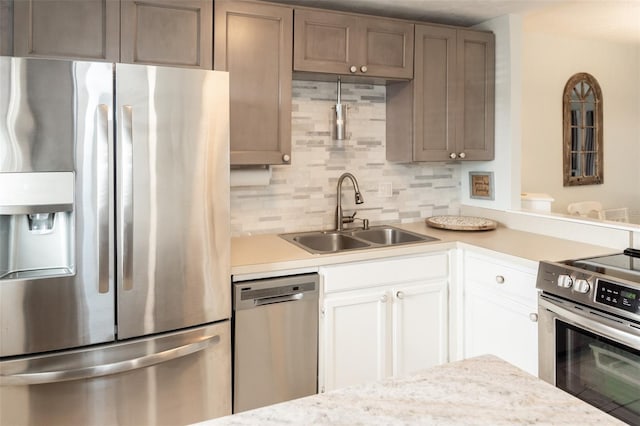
column 322, row 242
column 387, row 235
column 328, row 242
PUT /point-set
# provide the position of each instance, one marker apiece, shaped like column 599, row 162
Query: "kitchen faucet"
column 340, row 219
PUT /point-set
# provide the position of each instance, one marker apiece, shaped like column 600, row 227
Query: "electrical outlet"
column 385, row 189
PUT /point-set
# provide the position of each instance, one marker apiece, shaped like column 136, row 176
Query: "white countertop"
column 266, row 253
column 478, row 391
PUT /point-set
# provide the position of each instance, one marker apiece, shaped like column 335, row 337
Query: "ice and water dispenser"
column 36, row 224
column 37, row 172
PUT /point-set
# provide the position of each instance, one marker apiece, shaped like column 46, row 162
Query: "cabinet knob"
column 453, row 155
column 353, row 68
column 400, row 295
column 462, row 155
column 533, row 317
column 499, row 279
column 384, row 298
column 286, row 158
column 363, row 68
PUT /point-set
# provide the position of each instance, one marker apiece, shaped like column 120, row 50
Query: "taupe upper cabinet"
column 476, row 95
column 87, row 29
column 253, row 41
column 447, row 111
column 167, row 32
column 340, row 43
column 158, row 32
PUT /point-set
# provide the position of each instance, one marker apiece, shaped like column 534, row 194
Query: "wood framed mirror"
column 582, row 131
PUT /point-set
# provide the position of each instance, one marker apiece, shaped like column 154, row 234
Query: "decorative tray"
column 462, row 223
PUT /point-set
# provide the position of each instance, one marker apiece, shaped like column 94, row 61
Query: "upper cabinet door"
column 87, row 29
column 386, row 49
column 338, row 43
column 253, row 42
column 322, row 42
column 476, row 81
column 167, row 32
column 434, row 93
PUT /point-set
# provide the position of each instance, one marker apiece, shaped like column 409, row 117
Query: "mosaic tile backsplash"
column 302, row 196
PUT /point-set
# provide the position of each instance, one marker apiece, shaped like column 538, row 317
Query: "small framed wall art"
column 481, row 185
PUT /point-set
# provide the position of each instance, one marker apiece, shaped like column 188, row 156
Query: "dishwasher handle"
column 252, row 294
column 278, row 299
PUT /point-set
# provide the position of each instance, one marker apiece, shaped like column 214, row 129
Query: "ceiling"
column 610, row 20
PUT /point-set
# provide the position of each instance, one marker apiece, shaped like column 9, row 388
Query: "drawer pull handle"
column 499, row 279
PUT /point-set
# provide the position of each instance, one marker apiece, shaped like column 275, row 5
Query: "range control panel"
column 618, row 296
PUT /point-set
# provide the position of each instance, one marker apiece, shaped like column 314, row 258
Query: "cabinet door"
column 354, row 338
column 167, row 32
column 476, row 80
column 338, row 43
column 420, row 332
column 253, row 42
column 87, row 29
column 495, row 325
column 385, row 48
column 499, row 299
column 323, row 42
column 434, row 94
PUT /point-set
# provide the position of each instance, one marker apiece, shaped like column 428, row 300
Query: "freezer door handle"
column 102, row 166
column 126, row 198
column 88, row 372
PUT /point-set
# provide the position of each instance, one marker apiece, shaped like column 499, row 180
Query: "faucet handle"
column 349, row 219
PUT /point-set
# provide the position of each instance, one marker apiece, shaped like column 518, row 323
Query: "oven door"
column 592, row 355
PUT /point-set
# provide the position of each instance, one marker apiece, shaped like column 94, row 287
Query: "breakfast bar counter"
column 478, row 391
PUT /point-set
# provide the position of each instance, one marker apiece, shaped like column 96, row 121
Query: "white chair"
column 585, row 209
column 617, row 215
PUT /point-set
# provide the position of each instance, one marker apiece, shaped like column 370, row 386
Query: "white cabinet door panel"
column 502, row 328
column 354, row 338
column 420, row 332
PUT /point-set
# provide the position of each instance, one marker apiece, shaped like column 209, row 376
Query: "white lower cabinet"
column 500, row 310
column 420, row 331
column 383, row 318
column 355, row 338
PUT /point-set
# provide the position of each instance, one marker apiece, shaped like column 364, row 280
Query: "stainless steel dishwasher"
column 275, row 340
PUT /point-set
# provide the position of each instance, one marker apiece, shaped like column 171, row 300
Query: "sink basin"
column 387, row 235
column 328, row 242
column 322, row 242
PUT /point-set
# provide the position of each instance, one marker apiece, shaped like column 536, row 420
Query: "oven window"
column 599, row 371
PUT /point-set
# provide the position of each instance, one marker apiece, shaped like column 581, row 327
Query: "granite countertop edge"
column 476, row 391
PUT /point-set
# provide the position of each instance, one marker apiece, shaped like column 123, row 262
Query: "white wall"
column 548, row 61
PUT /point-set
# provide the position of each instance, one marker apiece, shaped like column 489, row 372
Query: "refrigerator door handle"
column 126, row 198
column 40, row 377
column 102, row 166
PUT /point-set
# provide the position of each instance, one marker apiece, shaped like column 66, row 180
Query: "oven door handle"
column 612, row 329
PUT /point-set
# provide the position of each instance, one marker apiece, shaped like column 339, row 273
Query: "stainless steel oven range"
column 589, row 330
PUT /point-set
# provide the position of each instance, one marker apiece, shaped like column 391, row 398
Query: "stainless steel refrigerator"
column 114, row 244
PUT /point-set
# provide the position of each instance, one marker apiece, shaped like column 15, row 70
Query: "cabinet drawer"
column 507, row 279
column 384, row 272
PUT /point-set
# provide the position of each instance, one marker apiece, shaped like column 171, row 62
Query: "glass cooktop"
column 623, row 265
